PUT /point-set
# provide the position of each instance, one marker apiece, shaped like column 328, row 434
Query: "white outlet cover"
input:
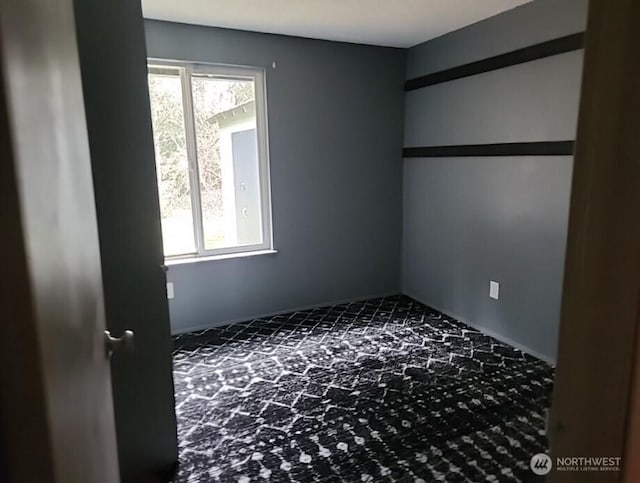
column 170, row 293
column 494, row 290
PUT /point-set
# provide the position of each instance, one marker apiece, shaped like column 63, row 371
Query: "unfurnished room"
column 321, row 241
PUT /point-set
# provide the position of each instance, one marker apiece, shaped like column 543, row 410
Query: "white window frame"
column 186, row 70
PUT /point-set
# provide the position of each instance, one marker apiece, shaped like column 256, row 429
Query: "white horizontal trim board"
column 174, row 262
column 279, row 312
column 549, row 360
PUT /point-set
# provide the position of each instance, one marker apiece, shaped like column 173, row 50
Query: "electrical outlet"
column 170, row 293
column 494, row 290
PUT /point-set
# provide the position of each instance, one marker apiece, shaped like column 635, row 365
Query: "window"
column 210, row 136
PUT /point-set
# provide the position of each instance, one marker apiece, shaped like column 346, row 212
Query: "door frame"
column 592, row 409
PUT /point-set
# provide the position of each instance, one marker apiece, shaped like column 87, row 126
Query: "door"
column 113, row 65
column 56, row 402
column 246, row 178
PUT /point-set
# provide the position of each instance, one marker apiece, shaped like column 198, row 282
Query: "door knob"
column 113, row 344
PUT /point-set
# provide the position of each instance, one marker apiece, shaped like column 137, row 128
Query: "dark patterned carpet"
column 375, row 391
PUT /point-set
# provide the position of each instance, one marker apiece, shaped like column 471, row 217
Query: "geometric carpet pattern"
column 385, row 390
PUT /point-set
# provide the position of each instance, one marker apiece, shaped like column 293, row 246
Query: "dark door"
column 113, row 62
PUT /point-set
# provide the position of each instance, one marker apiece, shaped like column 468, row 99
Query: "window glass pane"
column 226, row 140
column 165, row 93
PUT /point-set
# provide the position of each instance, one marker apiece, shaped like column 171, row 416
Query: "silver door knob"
column 113, row 344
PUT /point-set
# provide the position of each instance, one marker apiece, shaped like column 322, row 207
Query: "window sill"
column 185, row 261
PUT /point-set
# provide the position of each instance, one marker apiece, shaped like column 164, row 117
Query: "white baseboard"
column 279, row 312
column 549, row 360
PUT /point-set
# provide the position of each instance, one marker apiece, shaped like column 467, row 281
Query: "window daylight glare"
column 209, row 127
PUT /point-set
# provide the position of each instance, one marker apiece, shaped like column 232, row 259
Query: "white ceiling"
column 396, row 23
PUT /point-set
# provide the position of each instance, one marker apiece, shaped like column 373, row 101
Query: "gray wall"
column 113, row 65
column 471, row 220
column 335, row 133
